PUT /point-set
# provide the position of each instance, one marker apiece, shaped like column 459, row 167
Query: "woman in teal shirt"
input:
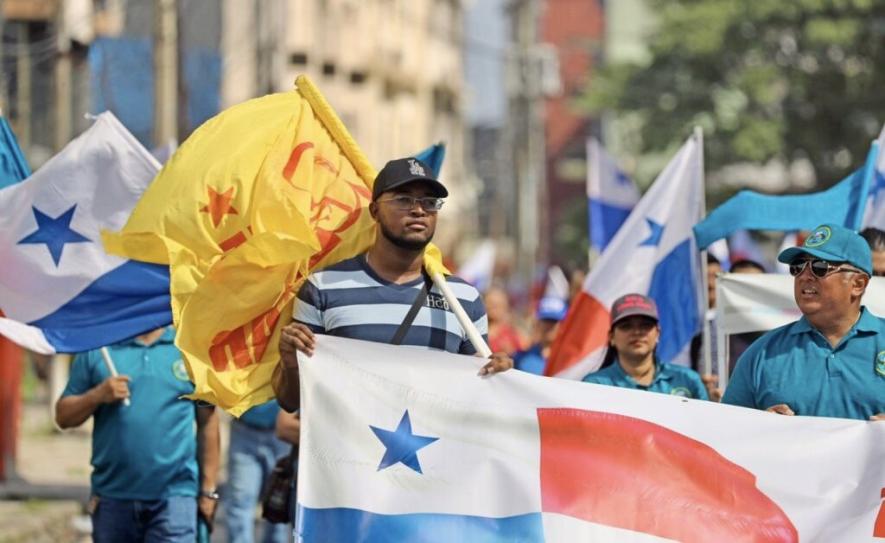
column 631, row 362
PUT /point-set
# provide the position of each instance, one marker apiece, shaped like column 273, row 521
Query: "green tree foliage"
column 765, row 79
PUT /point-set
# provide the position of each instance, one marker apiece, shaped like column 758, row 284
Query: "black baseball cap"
column 400, row 171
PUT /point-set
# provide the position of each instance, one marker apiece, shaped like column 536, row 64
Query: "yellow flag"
column 254, row 200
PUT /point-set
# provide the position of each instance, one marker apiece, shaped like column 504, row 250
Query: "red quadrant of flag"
column 629, row 473
column 584, row 330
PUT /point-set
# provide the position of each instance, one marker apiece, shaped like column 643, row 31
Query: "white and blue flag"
column 59, row 290
column 406, row 444
column 611, row 196
column 653, row 254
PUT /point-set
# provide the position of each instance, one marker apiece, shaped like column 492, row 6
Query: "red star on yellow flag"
column 219, row 205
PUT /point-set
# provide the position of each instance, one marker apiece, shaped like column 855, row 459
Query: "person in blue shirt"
column 831, row 362
column 155, row 460
column 631, row 361
column 253, row 452
column 550, row 313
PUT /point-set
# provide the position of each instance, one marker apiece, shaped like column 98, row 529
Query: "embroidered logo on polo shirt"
column 819, row 237
column 880, row 363
column 681, row 391
column 179, row 371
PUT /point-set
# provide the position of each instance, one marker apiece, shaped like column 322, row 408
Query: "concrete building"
column 391, row 69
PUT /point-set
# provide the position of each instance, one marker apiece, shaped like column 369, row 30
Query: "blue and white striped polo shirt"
column 350, row 300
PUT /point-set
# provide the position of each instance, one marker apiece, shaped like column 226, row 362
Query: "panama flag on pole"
column 611, row 196
column 654, row 253
column 59, row 290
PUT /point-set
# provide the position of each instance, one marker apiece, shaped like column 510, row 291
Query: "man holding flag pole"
column 389, row 294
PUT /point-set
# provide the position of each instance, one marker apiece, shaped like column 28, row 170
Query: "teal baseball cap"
column 833, row 243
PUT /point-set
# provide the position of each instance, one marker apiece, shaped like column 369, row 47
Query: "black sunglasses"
column 820, row 268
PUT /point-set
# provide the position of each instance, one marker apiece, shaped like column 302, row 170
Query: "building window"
column 357, row 77
column 328, row 68
column 298, row 58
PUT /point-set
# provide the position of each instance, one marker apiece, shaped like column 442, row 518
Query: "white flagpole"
column 472, row 333
column 706, row 365
column 111, row 368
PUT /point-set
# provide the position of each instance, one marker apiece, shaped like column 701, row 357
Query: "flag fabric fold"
column 611, row 195
column 843, row 203
column 59, row 290
column 253, row 200
column 479, row 268
column 653, row 253
column 13, row 166
column 403, row 447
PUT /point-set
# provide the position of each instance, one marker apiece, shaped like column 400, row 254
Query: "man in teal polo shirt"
column 152, row 458
column 831, row 362
column 631, row 360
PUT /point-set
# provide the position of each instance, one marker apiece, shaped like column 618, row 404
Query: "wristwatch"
column 211, row 494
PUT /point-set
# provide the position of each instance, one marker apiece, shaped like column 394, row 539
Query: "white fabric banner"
column 755, row 302
column 762, row 302
column 405, row 444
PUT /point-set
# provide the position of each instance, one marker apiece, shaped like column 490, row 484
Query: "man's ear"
column 373, row 209
column 859, row 282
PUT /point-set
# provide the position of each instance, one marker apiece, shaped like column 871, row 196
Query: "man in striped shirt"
column 368, row 296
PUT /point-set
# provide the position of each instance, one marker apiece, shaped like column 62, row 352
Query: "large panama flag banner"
column 248, row 205
column 653, row 253
column 59, row 290
column 401, row 444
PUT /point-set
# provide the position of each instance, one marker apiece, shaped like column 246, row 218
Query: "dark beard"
column 406, row 244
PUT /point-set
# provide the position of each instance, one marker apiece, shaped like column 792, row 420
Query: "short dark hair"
column 875, row 238
column 746, row 263
column 711, row 259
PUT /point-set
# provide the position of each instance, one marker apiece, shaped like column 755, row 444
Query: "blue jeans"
column 173, row 519
column 252, row 455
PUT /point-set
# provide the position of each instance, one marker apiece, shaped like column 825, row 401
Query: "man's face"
column 879, row 263
column 828, row 296
column 412, row 228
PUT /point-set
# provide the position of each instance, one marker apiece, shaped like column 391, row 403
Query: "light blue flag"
column 843, row 203
column 13, row 167
column 433, row 156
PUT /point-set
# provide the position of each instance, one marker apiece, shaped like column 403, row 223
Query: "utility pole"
column 63, row 95
column 165, row 71
column 527, row 137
